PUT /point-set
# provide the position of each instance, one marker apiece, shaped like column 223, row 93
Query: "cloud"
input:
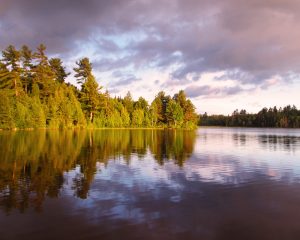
column 109, row 64
column 251, row 41
column 212, row 92
column 269, row 83
column 123, row 79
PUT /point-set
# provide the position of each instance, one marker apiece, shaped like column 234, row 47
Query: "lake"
column 212, row 183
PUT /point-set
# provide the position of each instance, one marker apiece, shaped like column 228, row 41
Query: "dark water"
column 214, row 183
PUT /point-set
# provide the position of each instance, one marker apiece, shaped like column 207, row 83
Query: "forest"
column 287, row 117
column 34, row 94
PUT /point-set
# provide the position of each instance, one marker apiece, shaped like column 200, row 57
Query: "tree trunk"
column 15, row 85
column 91, row 117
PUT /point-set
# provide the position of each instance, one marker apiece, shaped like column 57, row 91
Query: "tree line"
column 287, row 117
column 34, row 94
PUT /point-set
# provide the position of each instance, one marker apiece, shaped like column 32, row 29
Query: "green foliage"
column 10, row 71
column 125, row 117
column 114, row 120
column 141, row 104
column 38, row 119
column 44, row 76
column 153, row 114
column 287, row 117
column 58, row 69
column 35, row 95
column 89, row 96
column 190, row 118
column 6, row 115
column 128, row 103
column 83, row 70
column 174, row 114
column 100, row 120
column 160, row 102
column 138, row 118
column 27, row 74
column 29, row 113
column 21, row 116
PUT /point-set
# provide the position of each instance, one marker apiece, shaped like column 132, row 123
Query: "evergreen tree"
column 160, row 102
column 6, row 79
column 287, row 117
column 128, row 103
column 6, row 115
column 89, row 87
column 180, row 98
column 10, row 75
column 174, row 114
column 43, row 74
column 138, row 118
column 26, row 58
column 190, row 117
column 37, row 114
column 141, row 104
column 153, row 114
column 58, row 69
column 34, row 94
column 125, row 117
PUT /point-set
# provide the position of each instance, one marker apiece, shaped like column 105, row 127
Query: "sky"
column 225, row 54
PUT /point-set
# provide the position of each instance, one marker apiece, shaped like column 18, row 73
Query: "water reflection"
column 33, row 164
column 288, row 143
column 215, row 183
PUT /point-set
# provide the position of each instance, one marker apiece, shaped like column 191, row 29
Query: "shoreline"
column 246, row 127
column 103, row 128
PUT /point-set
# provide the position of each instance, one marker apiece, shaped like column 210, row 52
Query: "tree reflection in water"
column 33, row 164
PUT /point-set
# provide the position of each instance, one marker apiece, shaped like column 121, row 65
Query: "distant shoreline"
column 248, row 127
column 135, row 128
column 97, row 128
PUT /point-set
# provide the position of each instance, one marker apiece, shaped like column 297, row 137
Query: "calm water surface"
column 213, row 183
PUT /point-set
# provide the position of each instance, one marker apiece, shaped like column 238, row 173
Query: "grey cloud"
column 250, row 40
column 59, row 23
column 235, row 75
column 269, row 83
column 108, row 64
column 123, row 79
column 208, row 91
column 108, row 46
column 114, row 90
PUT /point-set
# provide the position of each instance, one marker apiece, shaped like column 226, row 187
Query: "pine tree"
column 89, row 96
column 125, row 117
column 58, row 69
column 160, row 102
column 26, row 58
column 153, row 114
column 6, row 79
column 6, row 115
column 138, row 118
column 141, row 104
column 10, row 71
column 190, row 117
column 43, row 74
column 34, row 94
column 174, row 114
column 128, row 103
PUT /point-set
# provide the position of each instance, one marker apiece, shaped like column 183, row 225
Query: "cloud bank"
column 249, row 41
